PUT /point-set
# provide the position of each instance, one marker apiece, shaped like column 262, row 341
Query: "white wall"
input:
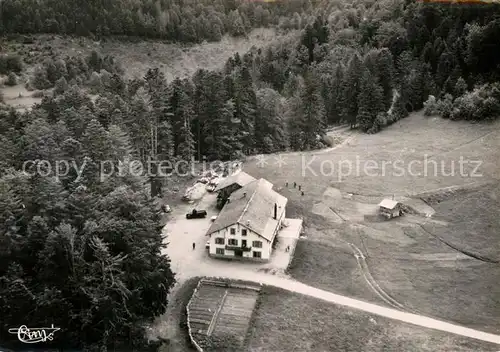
column 250, row 237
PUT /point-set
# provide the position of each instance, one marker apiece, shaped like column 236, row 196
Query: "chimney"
column 275, row 211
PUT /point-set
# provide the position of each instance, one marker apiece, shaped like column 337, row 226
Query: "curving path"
column 298, row 287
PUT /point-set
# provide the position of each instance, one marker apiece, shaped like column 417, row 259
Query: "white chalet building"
column 248, row 223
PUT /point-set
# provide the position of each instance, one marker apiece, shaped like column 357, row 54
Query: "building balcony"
column 238, row 248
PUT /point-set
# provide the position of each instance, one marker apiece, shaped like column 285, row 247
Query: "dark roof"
column 253, row 207
column 241, row 179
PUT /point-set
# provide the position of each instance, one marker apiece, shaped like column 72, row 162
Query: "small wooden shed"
column 390, row 208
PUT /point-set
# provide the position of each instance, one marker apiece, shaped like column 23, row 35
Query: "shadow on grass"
column 330, row 268
column 182, row 342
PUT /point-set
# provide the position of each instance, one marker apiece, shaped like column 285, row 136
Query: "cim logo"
column 34, row 335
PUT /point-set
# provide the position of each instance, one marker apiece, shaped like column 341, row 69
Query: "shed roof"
column 253, row 207
column 388, row 204
column 241, row 178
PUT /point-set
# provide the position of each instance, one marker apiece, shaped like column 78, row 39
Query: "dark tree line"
column 176, row 20
column 375, row 62
column 80, row 251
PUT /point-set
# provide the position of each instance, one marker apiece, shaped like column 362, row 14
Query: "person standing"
column 194, row 246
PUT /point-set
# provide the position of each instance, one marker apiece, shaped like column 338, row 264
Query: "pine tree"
column 311, row 113
column 270, row 129
column 332, row 94
column 75, row 121
column 351, row 89
column 182, row 109
column 121, row 146
column 210, row 97
column 11, row 79
column 104, row 108
column 160, row 121
column 96, row 141
column 460, row 87
column 246, row 107
column 230, row 147
column 293, row 114
column 385, row 75
column 370, row 101
column 138, row 124
column 97, row 147
column 61, row 86
column 398, row 110
column 38, row 141
column 185, row 113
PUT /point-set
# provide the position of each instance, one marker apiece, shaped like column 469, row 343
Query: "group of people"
column 295, row 186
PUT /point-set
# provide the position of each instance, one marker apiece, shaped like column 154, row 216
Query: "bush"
column 441, row 107
column 61, row 86
column 40, row 80
column 380, row 121
column 95, row 82
column 463, row 108
column 10, row 63
column 483, row 103
column 460, row 87
column 445, row 106
column 430, row 106
column 11, row 79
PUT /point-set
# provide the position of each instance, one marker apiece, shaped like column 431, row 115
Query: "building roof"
column 241, row 178
column 388, row 204
column 252, row 207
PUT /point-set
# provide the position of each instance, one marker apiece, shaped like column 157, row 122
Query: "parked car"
column 166, row 208
column 213, row 218
column 211, row 188
column 196, row 214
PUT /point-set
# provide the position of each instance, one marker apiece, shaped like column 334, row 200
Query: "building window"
column 257, row 244
column 219, row 251
column 244, row 232
column 232, row 231
column 257, row 254
column 233, row 242
column 219, row 240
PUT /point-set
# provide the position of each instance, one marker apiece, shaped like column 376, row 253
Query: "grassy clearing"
column 137, row 56
column 473, row 221
column 402, row 255
column 317, row 263
column 290, row 322
column 412, row 139
column 464, row 292
column 18, row 97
